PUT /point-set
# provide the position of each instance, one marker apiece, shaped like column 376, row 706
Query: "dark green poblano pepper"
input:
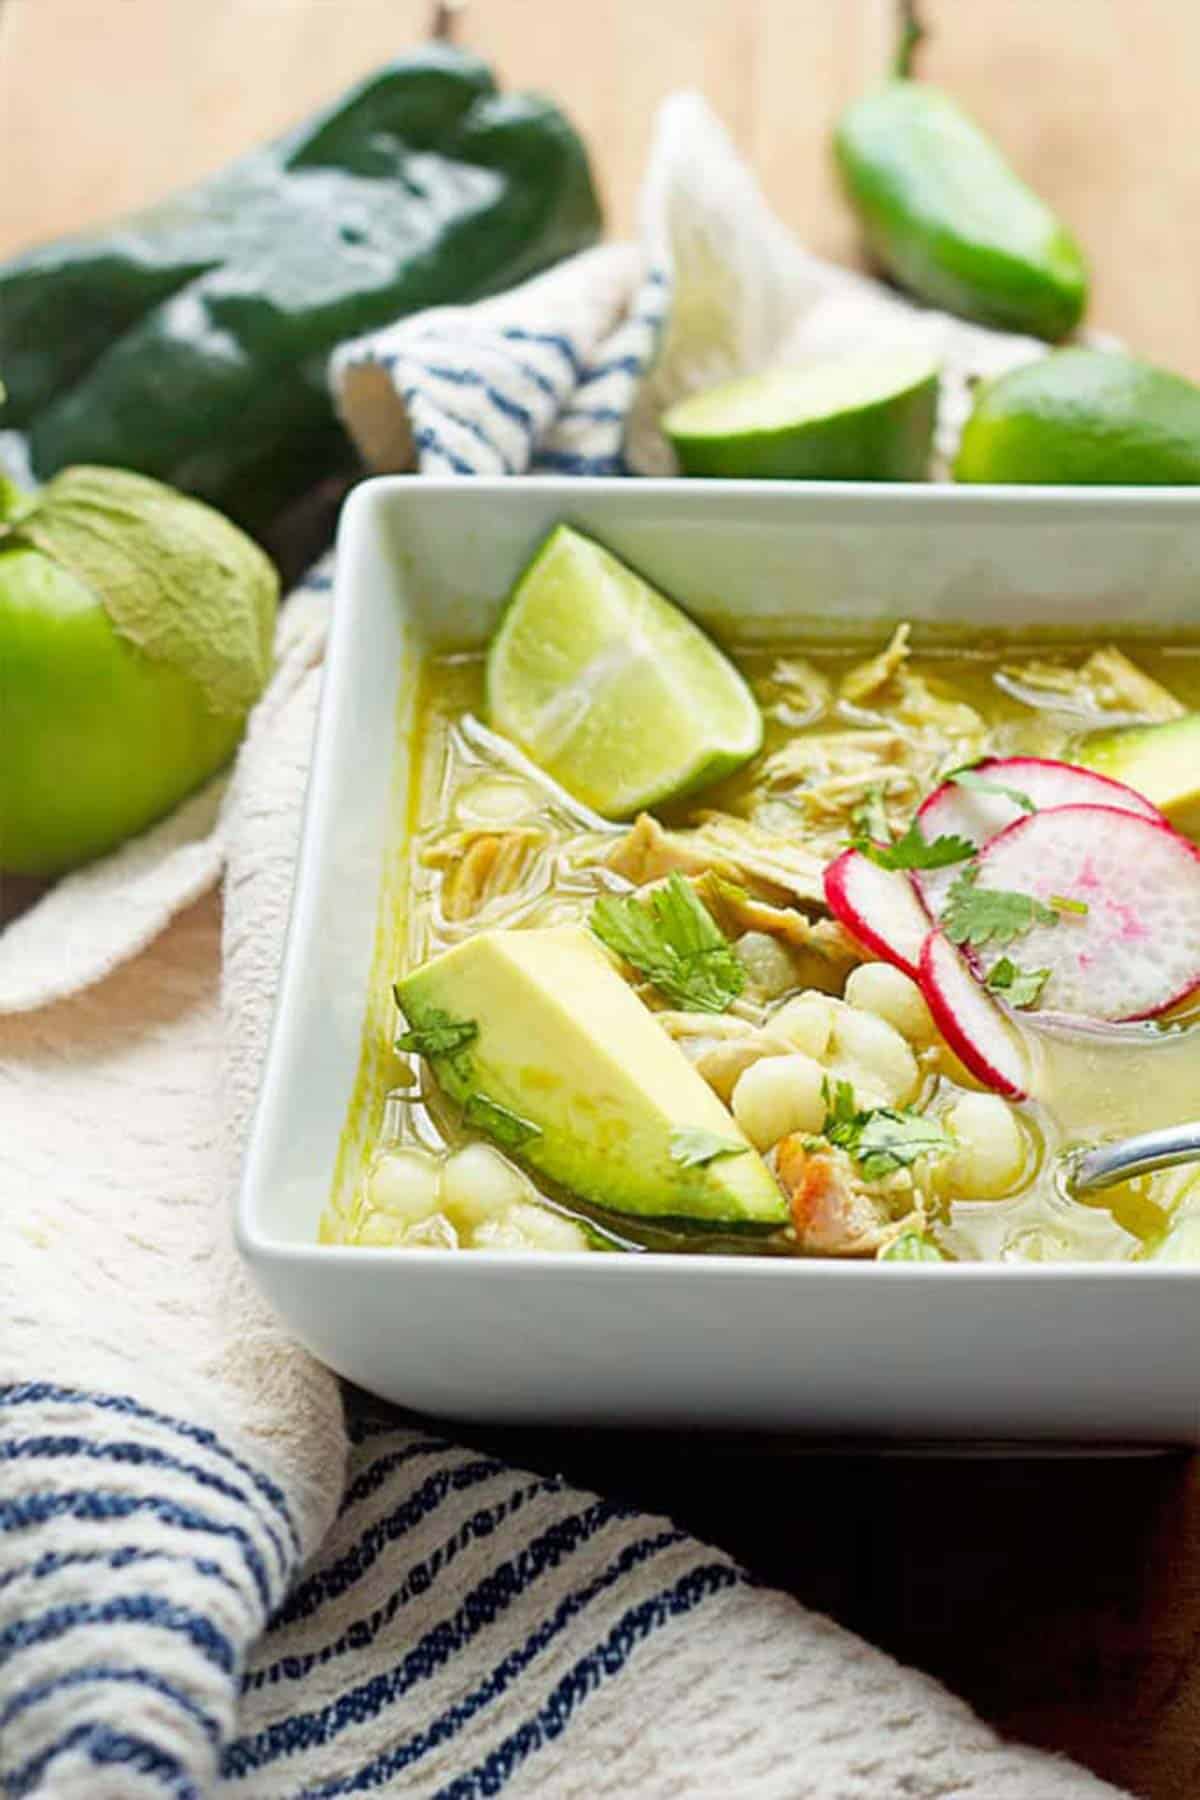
column 190, row 341
column 947, row 218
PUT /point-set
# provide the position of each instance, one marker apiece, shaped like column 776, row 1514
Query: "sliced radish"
column 954, row 811
column 1136, row 951
column 957, row 811
column 880, row 907
column 972, row 1023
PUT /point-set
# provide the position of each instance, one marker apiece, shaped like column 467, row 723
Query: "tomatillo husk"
column 135, row 635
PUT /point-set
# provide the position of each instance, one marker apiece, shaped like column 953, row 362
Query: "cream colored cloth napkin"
column 203, row 1586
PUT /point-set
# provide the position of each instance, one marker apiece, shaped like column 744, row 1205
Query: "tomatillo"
column 135, row 635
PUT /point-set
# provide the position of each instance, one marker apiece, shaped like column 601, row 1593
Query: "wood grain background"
column 1062, row 1598
column 108, row 103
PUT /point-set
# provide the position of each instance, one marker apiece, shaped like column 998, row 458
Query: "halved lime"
column 609, row 687
column 852, row 418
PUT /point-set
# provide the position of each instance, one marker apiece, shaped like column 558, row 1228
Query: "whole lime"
column 1086, row 416
column 135, row 635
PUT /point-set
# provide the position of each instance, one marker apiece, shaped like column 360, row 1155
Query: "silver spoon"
column 1141, row 1155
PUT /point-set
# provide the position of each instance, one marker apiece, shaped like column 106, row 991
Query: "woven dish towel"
column 210, row 1583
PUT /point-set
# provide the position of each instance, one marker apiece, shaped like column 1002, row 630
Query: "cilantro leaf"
column 981, row 916
column 841, row 1108
column 505, row 1128
column 694, row 1147
column 871, row 834
column 895, row 1138
column 913, row 851
column 963, row 768
column 979, row 784
column 869, row 820
column 1020, row 987
column 673, row 940
column 438, row 1034
column 884, row 1139
column 910, row 1246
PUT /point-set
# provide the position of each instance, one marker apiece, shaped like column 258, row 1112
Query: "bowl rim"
column 373, row 487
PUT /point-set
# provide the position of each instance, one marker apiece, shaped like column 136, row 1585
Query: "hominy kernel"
column 768, row 966
column 529, row 1227
column 992, row 1147
column 806, row 1021
column 873, row 1057
column 779, row 1095
column 478, row 1183
column 882, row 989
column 405, row 1184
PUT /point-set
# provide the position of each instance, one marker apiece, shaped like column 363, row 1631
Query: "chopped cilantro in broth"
column 488, row 849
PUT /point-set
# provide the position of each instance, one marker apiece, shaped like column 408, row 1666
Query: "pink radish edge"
column 1003, row 766
column 858, row 892
column 971, row 1022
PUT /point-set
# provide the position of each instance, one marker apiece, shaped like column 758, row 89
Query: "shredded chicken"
column 833, row 1210
column 1120, row 686
column 907, row 704
column 736, row 911
column 866, row 680
column 478, row 866
column 898, row 734
column 649, row 852
column 720, row 1047
column 766, row 865
column 690, row 1025
column 827, row 776
column 935, row 723
column 770, row 866
column 804, row 691
column 1107, row 686
column 828, row 758
column 1044, row 677
column 823, row 952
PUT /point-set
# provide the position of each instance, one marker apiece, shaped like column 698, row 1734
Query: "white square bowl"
column 1098, row 1354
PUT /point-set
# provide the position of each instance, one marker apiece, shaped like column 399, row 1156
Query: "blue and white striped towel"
column 540, row 381
column 210, row 1583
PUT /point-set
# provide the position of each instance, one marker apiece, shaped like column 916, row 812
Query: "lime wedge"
column 855, row 418
column 609, row 687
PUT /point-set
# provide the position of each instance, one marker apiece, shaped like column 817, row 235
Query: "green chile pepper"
column 947, row 218
column 189, row 342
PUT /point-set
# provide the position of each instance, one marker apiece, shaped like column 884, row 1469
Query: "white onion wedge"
column 972, row 1023
column 880, row 907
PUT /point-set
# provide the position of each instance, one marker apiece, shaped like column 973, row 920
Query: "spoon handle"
column 1110, row 1163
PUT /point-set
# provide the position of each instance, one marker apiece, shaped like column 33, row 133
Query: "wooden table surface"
column 108, row 103
column 1062, row 1598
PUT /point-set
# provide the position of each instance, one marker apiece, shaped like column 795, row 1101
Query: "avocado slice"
column 551, row 1053
column 1160, row 761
